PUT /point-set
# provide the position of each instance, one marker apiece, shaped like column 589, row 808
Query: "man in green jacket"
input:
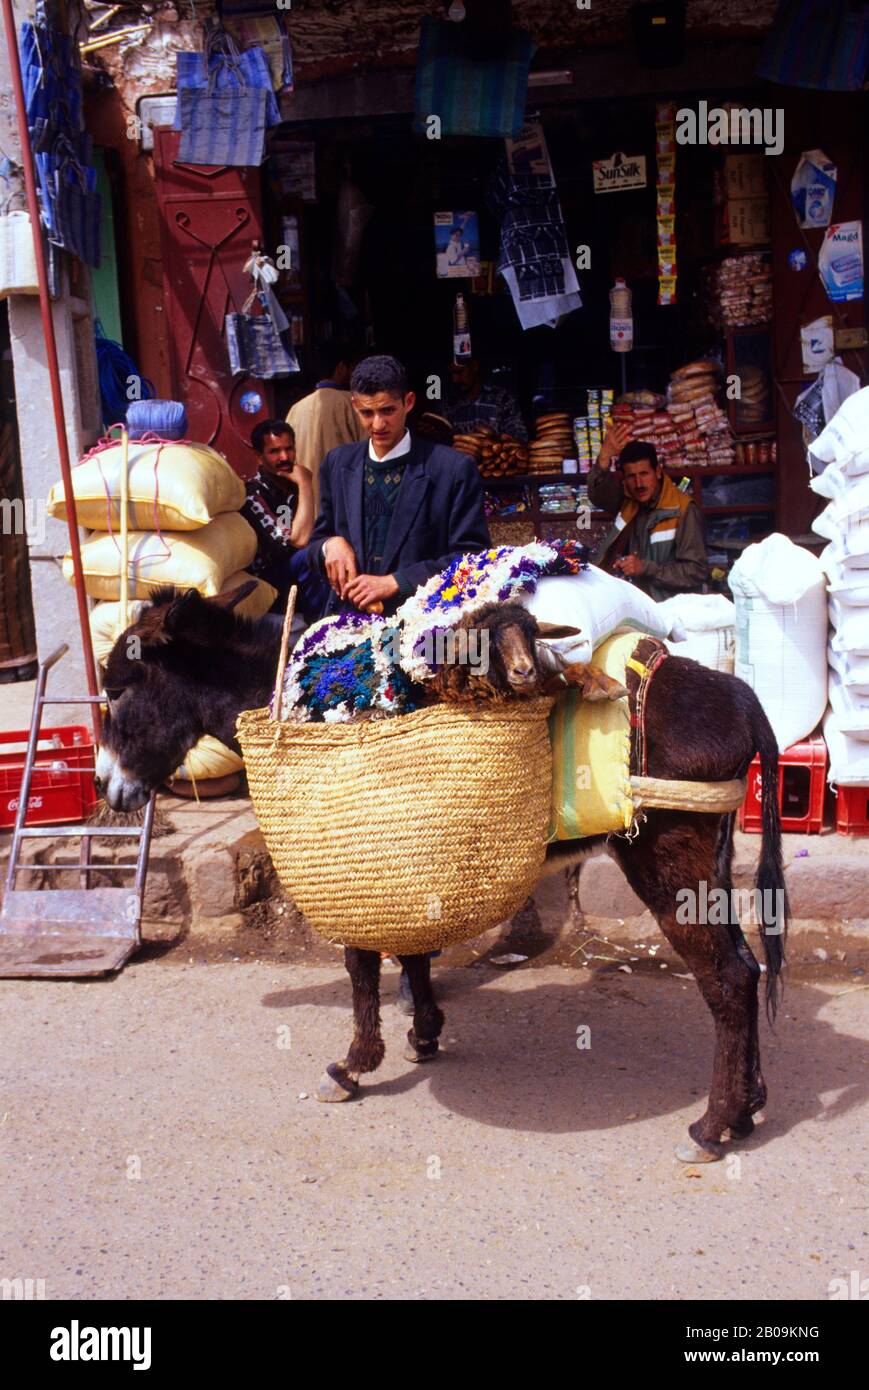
column 657, row 538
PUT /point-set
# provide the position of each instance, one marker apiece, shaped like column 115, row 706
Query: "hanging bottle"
column 461, row 330
column 621, row 318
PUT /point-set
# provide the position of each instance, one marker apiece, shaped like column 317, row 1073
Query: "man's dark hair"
column 265, row 427
column 636, row 451
column 376, row 374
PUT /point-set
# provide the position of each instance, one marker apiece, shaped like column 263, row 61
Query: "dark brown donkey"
column 189, row 667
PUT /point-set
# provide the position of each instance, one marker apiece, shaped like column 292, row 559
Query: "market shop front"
column 353, row 195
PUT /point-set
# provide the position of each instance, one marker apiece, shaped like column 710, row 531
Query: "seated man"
column 325, row 418
column 280, row 508
column 395, row 509
column 475, row 401
column 657, row 540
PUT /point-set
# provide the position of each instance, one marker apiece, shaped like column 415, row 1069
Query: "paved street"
column 160, row 1139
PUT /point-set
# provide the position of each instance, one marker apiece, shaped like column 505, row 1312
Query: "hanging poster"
column 620, row 171
column 840, row 261
column 457, row 244
column 813, row 188
column 816, row 343
column 294, row 168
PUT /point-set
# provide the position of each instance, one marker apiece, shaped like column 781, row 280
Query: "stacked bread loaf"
column 496, row 455
column 739, row 291
column 552, row 443
column 702, row 425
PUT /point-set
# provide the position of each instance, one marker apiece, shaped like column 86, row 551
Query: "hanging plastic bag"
column 220, row 60
column 254, row 344
column 17, row 256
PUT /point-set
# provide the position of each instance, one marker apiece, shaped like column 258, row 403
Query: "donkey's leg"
column 724, row 857
column 422, row 1040
column 676, row 851
column 341, row 1081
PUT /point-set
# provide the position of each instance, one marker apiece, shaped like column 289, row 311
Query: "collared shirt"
column 402, row 447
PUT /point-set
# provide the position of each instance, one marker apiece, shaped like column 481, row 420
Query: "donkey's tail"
column 770, row 881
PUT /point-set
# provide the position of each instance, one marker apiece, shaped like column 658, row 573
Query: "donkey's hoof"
column 337, row 1085
column 421, row 1051
column 689, row 1152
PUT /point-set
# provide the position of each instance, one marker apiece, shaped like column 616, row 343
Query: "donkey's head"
column 186, row 667
column 499, row 663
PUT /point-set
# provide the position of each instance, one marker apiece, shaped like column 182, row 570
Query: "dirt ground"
column 160, row 1139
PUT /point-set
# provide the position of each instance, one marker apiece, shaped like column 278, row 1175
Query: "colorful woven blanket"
column 495, row 576
column 356, row 664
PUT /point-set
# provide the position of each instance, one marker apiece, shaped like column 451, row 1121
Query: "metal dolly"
column 69, row 932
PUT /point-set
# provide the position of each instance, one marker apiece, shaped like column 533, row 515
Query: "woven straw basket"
column 404, row 834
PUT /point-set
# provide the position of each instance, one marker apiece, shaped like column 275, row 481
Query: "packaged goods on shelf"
column 738, row 291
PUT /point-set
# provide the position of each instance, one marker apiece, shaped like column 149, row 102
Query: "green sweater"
column 381, row 484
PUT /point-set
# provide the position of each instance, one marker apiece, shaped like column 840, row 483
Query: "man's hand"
column 367, row 589
column 617, row 436
column 340, row 562
column 629, row 565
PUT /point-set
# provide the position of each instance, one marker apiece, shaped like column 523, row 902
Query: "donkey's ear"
column 185, row 614
column 233, row 597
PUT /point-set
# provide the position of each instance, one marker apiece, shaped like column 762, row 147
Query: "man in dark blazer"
column 394, row 509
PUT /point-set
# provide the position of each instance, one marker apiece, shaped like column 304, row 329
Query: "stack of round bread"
column 753, row 404
column 496, row 455
column 552, row 443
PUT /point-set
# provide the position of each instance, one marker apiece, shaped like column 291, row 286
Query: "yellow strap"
column 641, row 670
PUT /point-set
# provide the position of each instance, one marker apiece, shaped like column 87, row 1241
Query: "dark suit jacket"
column 438, row 512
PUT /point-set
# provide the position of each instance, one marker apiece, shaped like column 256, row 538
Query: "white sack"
column 849, row 757
column 715, row 648
column 850, row 587
column 852, row 668
column 848, row 555
column 781, row 634
column 851, row 628
column 847, row 512
column 850, row 708
column 591, row 606
column 697, row 613
column 703, row 628
column 846, row 437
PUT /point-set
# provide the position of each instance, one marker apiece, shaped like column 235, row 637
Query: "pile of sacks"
column 842, row 450
column 184, row 529
column 781, row 634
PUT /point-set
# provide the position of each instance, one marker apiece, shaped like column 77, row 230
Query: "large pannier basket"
column 404, row 834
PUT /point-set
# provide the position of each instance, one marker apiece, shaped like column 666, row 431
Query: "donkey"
column 198, row 665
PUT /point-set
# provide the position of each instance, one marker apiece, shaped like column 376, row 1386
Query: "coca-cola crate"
column 852, row 810
column 802, row 771
column 62, row 788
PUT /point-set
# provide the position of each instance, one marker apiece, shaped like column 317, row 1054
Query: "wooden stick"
column 282, row 659
column 105, row 17
column 106, row 40
column 124, row 594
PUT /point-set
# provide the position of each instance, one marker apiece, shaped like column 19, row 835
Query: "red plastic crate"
column 802, row 773
column 62, row 787
column 852, row 810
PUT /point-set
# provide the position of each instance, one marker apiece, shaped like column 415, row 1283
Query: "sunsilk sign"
column 840, row 261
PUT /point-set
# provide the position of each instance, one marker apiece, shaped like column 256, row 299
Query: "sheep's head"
column 490, row 655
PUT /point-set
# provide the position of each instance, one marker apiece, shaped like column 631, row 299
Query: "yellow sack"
column 172, row 487
column 591, row 754
column 202, row 559
column 208, row 758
